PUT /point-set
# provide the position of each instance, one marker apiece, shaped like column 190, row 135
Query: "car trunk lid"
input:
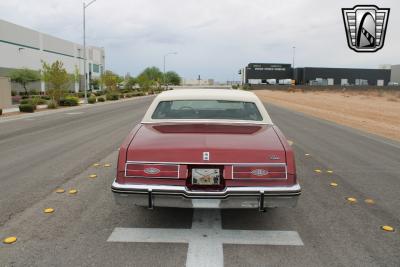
column 190, row 143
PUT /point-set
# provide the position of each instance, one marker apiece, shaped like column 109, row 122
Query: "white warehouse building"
column 21, row 47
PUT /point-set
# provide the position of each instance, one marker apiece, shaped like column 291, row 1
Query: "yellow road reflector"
column 333, row 184
column 329, row 171
column 351, row 199
column 60, row 190
column 93, row 176
column 369, row 201
column 107, row 165
column 387, row 228
column 290, row 142
column 73, row 191
column 317, row 171
column 10, row 240
column 96, row 164
column 48, row 210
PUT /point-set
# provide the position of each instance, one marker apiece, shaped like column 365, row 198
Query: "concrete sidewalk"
column 15, row 108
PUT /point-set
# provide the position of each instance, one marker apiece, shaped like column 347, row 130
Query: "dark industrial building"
column 276, row 73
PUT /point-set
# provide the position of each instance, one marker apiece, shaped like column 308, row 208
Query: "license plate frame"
column 206, row 176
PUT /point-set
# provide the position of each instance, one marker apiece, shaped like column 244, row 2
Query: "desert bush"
column 38, row 101
column 245, row 87
column 33, row 92
column 69, row 101
column 52, row 105
column 27, row 108
column 138, row 93
column 101, row 99
column 99, row 93
column 25, row 101
column 92, row 100
column 112, row 96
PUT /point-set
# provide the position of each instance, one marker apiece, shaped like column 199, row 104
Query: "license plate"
column 205, row 176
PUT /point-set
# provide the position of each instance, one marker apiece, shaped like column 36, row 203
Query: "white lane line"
column 206, row 238
column 74, row 113
column 206, row 203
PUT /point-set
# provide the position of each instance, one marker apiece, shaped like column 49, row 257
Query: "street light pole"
column 294, row 52
column 170, row 53
column 84, row 46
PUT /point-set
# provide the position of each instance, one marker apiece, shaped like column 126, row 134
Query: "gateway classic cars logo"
column 365, row 27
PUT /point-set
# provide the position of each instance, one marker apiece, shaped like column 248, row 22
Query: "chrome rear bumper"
column 230, row 198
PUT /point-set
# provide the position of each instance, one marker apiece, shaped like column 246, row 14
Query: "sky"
column 213, row 38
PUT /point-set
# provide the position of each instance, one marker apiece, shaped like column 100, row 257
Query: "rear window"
column 207, row 109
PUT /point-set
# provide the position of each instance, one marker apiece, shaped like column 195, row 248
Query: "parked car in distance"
column 206, row 148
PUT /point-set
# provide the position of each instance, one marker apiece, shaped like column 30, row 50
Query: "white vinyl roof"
column 207, row 94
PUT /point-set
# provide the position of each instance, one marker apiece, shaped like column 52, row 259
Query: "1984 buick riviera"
column 206, row 148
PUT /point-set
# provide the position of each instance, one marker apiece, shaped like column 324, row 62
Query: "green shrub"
column 139, row 93
column 81, row 94
column 99, row 93
column 129, row 95
column 13, row 93
column 52, row 105
column 33, row 92
column 45, row 97
column 126, row 90
column 69, row 101
column 112, row 96
column 38, row 101
column 101, row 99
column 29, row 101
column 27, row 108
column 25, row 101
column 92, row 100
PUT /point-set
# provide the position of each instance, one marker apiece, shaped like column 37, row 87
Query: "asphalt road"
column 42, row 153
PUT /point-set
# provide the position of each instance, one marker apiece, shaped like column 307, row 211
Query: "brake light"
column 148, row 170
column 276, row 171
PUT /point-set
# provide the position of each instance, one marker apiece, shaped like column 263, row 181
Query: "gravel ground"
column 374, row 112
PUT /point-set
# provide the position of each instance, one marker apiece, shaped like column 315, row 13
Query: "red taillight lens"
column 260, row 172
column 139, row 170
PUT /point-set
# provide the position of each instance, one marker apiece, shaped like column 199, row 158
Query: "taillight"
column 273, row 171
column 148, row 170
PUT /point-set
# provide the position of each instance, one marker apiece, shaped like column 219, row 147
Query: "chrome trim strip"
column 205, row 163
column 202, row 121
column 174, row 189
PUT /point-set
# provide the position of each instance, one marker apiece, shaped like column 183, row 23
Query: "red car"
column 206, row 148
